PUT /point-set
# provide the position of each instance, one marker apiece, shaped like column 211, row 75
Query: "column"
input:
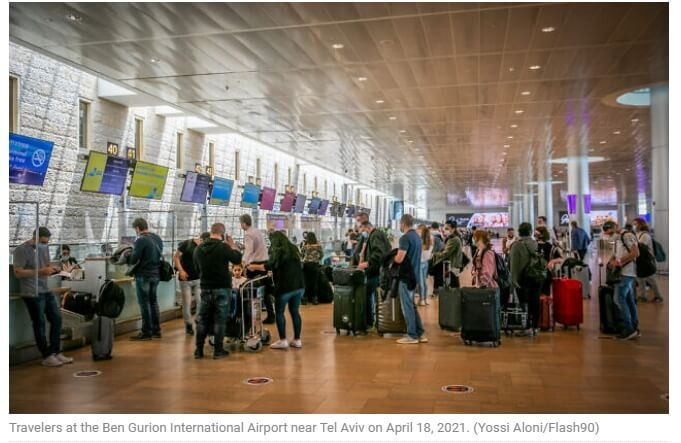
column 621, row 212
column 545, row 194
column 578, row 184
column 659, row 127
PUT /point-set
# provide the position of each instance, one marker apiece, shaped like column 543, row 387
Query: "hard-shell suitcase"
column 480, row 316
column 102, row 340
column 567, row 302
column 546, row 320
column 389, row 316
column 349, row 309
column 348, row 277
column 607, row 309
column 582, row 274
column 449, row 307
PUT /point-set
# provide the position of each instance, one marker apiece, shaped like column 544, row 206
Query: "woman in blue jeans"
column 289, row 286
column 426, row 253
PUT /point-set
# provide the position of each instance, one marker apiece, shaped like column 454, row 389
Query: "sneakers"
column 525, row 333
column 188, row 330
column 423, row 339
column 140, row 337
column 297, row 344
column 638, row 334
column 280, row 344
column 64, row 359
column 630, row 336
column 642, row 299
column 408, row 341
column 52, row 362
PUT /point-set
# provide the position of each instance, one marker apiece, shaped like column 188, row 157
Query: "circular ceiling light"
column 507, row 146
column 154, row 60
column 519, row 111
column 411, row 141
column 74, row 17
column 361, row 79
column 338, row 46
column 510, row 136
column 634, row 120
column 548, row 29
column 616, row 132
column 535, row 67
column 525, row 93
column 511, row 69
column 639, row 97
column 392, row 117
column 514, row 125
column 603, row 142
column 379, row 101
column 402, row 131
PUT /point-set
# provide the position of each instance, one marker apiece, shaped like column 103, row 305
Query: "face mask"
column 365, row 234
column 64, row 258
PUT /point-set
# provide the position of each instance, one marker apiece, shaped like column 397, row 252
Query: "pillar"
column 621, row 213
column 578, row 184
column 659, row 127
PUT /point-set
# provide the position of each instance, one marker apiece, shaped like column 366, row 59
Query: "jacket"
column 211, row 260
column 358, row 250
column 377, row 247
column 580, row 239
column 452, row 252
column 147, row 254
column 520, row 258
column 393, row 273
column 438, row 243
column 485, row 268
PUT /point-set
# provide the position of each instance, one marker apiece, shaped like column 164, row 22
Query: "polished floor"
column 558, row 372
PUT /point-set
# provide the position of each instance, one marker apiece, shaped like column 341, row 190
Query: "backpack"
column 658, row 250
column 165, row 270
column 645, row 262
column 503, row 276
column 535, row 271
column 110, row 301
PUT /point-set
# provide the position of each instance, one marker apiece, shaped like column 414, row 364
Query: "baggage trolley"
column 253, row 333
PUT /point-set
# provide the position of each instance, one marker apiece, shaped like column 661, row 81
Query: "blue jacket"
column 580, row 239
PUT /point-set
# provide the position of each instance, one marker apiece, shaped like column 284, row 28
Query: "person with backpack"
column 646, row 254
column 146, row 259
column 484, row 263
column 453, row 252
column 525, row 260
column 377, row 247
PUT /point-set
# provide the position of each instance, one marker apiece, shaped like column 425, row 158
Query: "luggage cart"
column 253, row 334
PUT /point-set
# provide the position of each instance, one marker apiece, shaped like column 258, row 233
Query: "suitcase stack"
column 449, row 307
column 349, row 300
column 567, row 302
column 389, row 316
column 480, row 316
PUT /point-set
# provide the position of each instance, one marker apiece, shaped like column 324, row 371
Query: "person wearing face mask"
column 484, row 263
column 68, row 263
column 453, row 252
column 377, row 246
column 507, row 242
column 41, row 303
column 644, row 237
column 361, row 240
column 312, row 254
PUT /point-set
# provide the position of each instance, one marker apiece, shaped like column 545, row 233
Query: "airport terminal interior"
column 310, row 119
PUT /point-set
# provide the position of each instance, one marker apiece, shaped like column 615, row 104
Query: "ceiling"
column 423, row 96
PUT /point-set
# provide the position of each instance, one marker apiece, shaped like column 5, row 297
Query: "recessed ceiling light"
column 592, row 150
column 154, row 60
column 386, row 42
column 519, row 111
column 511, row 69
column 507, row 146
column 503, row 153
column 402, row 131
column 379, row 101
column 514, row 126
column 510, row 136
column 617, row 132
column 535, row 67
column 74, row 17
column 392, row 117
column 338, row 46
column 525, row 93
column 634, row 120
column 411, row 141
column 602, row 142
column 548, row 29
column 361, row 79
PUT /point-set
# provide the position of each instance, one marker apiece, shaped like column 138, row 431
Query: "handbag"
column 165, row 271
column 613, row 275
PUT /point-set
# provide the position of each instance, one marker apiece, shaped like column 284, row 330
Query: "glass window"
column 13, row 104
column 83, row 124
column 211, row 156
column 237, row 165
column 139, row 138
column 180, row 150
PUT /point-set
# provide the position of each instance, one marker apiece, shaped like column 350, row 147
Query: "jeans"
column 148, row 302
column 45, row 306
column 652, row 282
column 372, row 285
column 187, row 288
column 411, row 314
column 292, row 299
column 626, row 303
column 212, row 316
column 423, row 280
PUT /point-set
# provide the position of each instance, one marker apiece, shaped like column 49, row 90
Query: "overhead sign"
column 112, row 148
column 28, row 159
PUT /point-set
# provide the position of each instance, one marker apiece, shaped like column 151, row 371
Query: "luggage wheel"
column 253, row 347
column 467, row 342
column 265, row 337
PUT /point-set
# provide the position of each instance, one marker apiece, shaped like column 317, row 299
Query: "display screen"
column 148, row 181
column 222, row 191
column 267, row 200
column 489, row 220
column 28, row 159
column 300, row 203
column 287, row 202
column 323, row 206
column 398, row 210
column 461, row 219
column 340, row 210
column 251, row 196
column 350, row 211
column 313, row 208
column 600, row 217
column 104, row 174
column 195, row 188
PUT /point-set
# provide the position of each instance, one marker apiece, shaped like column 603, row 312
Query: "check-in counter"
column 75, row 328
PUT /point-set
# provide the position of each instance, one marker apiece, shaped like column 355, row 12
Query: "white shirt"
column 629, row 269
column 426, row 254
column 254, row 245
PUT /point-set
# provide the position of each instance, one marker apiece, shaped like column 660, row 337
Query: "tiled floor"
column 557, row 372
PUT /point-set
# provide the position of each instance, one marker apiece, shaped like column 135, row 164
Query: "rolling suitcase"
column 607, row 309
column 583, row 274
column 349, row 309
column 480, row 316
column 567, row 302
column 449, row 307
column 514, row 316
column 348, row 277
column 389, row 316
column 102, row 340
column 546, row 320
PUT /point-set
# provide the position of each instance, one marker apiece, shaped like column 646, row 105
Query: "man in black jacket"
column 377, row 247
column 146, row 253
column 212, row 258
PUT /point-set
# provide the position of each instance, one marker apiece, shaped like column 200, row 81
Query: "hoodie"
column 211, row 259
column 520, row 258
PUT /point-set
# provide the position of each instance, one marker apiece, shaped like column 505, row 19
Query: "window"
column 83, row 124
column 326, row 189
column 211, row 156
column 304, row 182
column 276, row 175
column 139, row 138
column 237, row 165
column 315, row 183
column 13, row 104
column 180, row 150
column 289, row 182
column 257, row 168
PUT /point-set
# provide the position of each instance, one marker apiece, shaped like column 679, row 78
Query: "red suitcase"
column 546, row 320
column 567, row 302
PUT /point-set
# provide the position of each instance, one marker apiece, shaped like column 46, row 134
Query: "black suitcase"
column 514, row 315
column 607, row 309
column 348, row 277
column 480, row 316
column 389, row 316
column 82, row 303
column 449, row 306
column 102, row 340
column 349, row 309
column 325, row 294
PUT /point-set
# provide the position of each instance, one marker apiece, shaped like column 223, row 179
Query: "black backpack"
column 645, row 262
column 658, row 250
column 536, row 269
column 110, row 301
column 503, row 273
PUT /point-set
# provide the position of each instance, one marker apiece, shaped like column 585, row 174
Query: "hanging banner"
column 587, row 203
column 572, row 203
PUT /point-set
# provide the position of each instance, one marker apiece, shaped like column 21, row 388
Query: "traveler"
column 238, row 278
column 350, row 240
column 289, row 286
column 579, row 240
column 470, row 242
column 541, row 222
column 188, row 278
column 438, row 241
column 526, row 289
column 255, row 252
column 426, row 253
column 377, row 247
column 484, row 263
column 453, row 252
column 644, row 237
column 40, row 302
column 312, row 253
column 68, row 263
column 211, row 259
column 507, row 242
column 146, row 259
column 361, row 240
column 409, row 252
column 543, row 238
column 626, row 251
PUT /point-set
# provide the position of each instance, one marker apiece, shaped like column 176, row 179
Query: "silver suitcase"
column 103, row 329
